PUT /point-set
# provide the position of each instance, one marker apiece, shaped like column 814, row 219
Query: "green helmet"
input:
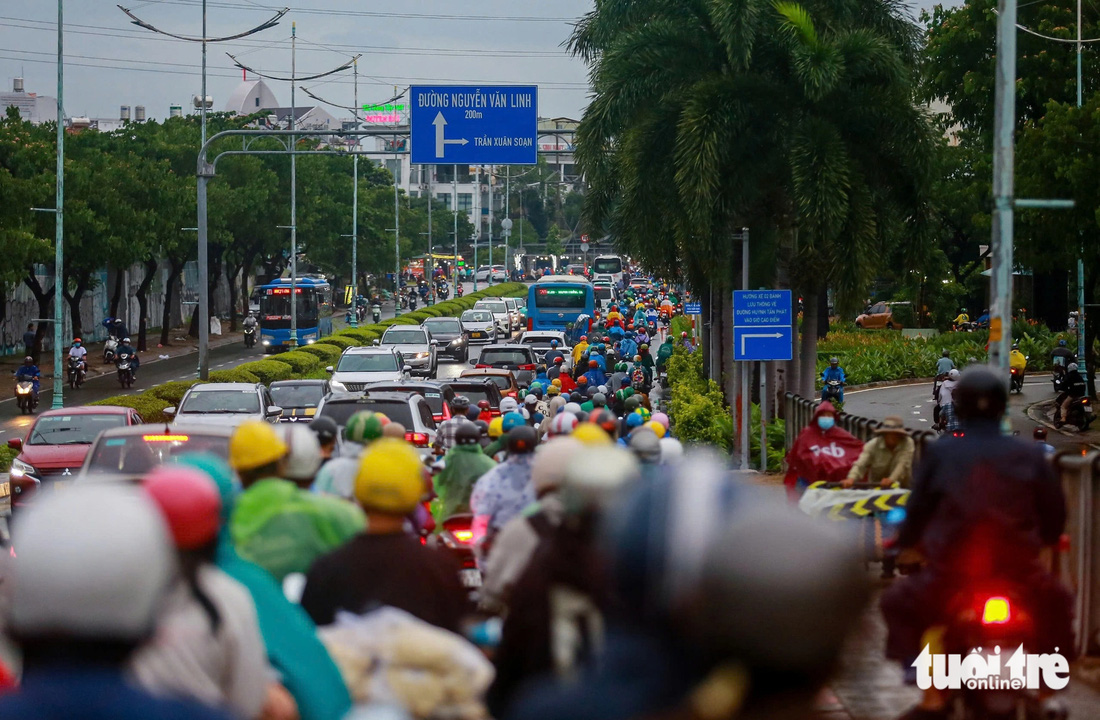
column 632, row 404
column 364, row 427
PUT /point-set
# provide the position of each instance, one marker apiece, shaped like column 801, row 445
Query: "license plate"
column 1088, row 409
column 5, row 489
column 475, row 334
column 470, row 577
column 60, row 484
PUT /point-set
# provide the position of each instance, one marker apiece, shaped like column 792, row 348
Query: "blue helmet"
column 634, row 420
column 1061, row 343
column 512, row 420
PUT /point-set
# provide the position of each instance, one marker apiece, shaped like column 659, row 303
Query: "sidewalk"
column 1042, row 412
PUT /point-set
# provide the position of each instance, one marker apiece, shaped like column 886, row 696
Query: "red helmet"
column 584, row 338
column 190, row 503
column 483, row 404
column 559, row 360
column 582, row 380
column 683, row 334
column 593, row 363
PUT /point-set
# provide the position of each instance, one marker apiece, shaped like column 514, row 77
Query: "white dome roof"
column 251, row 96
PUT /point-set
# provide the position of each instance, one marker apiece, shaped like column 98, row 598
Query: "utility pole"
column 490, row 224
column 355, row 207
column 507, row 231
column 430, row 270
column 477, row 223
column 454, row 211
column 1082, row 358
column 293, row 191
column 396, row 233
column 59, row 217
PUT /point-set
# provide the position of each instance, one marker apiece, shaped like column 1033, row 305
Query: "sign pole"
column 763, row 416
column 746, row 410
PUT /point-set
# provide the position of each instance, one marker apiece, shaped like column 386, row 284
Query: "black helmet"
column 522, row 440
column 482, row 428
column 324, row 428
column 599, row 400
column 981, row 394
column 28, row 360
column 592, row 392
column 946, row 352
column 467, row 434
column 459, row 403
column 473, row 413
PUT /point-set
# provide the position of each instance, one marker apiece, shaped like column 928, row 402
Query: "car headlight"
column 20, row 469
column 265, row 342
column 421, row 355
column 311, row 341
column 337, row 386
column 457, row 341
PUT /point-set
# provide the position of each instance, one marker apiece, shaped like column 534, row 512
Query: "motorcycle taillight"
column 997, row 611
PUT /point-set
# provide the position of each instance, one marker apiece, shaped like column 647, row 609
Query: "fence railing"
column 1079, row 470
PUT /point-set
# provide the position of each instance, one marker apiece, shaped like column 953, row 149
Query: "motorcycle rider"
column 983, row 507
column 125, row 348
column 383, row 564
column 947, row 417
column 76, row 644
column 78, row 351
column 1062, row 356
column 447, row 430
column 503, row 492
column 249, row 322
column 945, row 364
column 887, row 459
column 1075, row 387
column 833, row 372
column 983, row 319
column 29, row 371
column 962, row 318
column 463, row 464
column 1016, row 359
column 685, row 342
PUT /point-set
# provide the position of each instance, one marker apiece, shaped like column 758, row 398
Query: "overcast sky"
column 110, row 62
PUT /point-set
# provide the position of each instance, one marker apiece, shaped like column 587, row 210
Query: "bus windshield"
column 275, row 308
column 607, row 265
column 561, row 297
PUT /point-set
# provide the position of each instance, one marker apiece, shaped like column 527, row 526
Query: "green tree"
column 797, row 121
column 553, row 241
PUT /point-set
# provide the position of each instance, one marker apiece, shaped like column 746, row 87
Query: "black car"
column 475, row 390
column 449, row 337
column 438, row 394
column 520, row 359
column 407, row 408
column 298, row 398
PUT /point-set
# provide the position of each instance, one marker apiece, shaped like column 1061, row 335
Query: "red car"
column 53, row 450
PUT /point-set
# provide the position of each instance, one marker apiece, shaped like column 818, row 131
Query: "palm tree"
column 797, row 121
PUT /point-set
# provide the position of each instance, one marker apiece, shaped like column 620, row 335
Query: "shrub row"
column 305, row 362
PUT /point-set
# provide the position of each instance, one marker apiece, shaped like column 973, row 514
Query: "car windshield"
column 501, row 381
column 477, row 316
column 367, row 362
column 473, row 393
column 395, row 410
column 496, row 306
column 538, row 341
column 603, row 292
column 297, row 396
column 138, row 454
column 443, row 325
column 222, row 401
column 504, row 356
column 411, row 336
column 73, row 429
column 431, row 394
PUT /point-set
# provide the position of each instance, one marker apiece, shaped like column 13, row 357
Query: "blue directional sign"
column 474, row 125
column 693, row 308
column 762, row 325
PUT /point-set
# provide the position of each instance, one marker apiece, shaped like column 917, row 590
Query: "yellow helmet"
column 255, row 444
column 391, row 477
column 590, row 434
column 496, row 427
column 656, row 427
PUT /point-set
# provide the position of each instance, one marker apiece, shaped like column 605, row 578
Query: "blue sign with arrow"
column 474, row 125
column 693, row 308
column 762, row 325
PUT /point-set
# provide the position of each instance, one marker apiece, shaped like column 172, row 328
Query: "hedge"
column 341, row 342
column 268, row 370
column 6, row 456
column 324, row 352
column 300, row 362
column 150, row 407
column 233, row 375
column 172, row 392
column 361, row 335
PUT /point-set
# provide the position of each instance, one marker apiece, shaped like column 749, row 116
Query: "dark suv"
column 520, row 359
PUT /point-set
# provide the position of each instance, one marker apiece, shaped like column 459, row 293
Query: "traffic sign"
column 693, row 308
column 762, row 325
column 474, row 125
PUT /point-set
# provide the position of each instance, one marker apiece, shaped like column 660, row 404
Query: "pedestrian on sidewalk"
column 28, row 341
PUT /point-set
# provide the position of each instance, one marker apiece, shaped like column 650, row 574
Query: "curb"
column 1036, row 412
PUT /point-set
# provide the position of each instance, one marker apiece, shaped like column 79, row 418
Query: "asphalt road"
column 915, row 405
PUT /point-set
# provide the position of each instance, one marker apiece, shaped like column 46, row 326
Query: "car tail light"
column 589, row 324
column 438, row 417
column 512, row 394
column 464, row 536
column 529, row 366
column 165, row 438
column 417, row 439
column 480, row 365
column 997, row 611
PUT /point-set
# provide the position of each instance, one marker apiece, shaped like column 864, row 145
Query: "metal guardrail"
column 1079, row 471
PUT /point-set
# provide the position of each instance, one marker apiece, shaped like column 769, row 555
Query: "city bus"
column 314, row 310
column 608, row 265
column 556, row 300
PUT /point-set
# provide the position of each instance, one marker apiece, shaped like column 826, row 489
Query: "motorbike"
column 109, row 349
column 125, row 371
column 1017, row 380
column 1080, row 413
column 456, row 535
column 458, row 290
column 76, row 372
column 26, row 397
column 412, row 301
column 832, row 392
column 965, row 327
column 376, row 313
column 250, row 336
column 1058, row 377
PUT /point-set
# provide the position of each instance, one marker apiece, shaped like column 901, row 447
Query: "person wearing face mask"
column 822, row 452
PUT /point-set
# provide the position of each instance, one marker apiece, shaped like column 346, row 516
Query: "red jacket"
column 820, row 456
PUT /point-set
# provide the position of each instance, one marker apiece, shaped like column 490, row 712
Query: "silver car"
column 226, row 404
column 125, row 454
column 416, row 347
column 358, row 366
column 479, row 325
column 501, row 314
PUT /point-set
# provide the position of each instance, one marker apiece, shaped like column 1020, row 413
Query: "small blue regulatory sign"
column 693, row 308
column 474, row 125
column 762, row 325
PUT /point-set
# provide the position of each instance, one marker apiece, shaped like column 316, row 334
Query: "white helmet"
column 671, row 450
column 562, row 424
column 304, row 455
column 550, row 463
column 953, row 374
column 508, row 404
column 94, row 563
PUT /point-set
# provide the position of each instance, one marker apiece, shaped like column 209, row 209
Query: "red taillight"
column 479, row 365
column 589, row 324
column 417, row 439
column 463, row 536
column 438, row 417
column 530, row 323
column 997, row 611
column 511, row 394
column 526, row 367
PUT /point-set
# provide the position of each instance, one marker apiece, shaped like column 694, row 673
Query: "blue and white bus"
column 556, row 300
column 314, row 309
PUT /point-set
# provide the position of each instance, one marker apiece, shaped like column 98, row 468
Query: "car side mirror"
column 169, row 411
column 273, row 411
column 472, row 361
column 329, row 369
column 375, row 341
column 15, row 444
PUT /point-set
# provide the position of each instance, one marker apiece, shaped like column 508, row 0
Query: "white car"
column 482, row 274
column 513, row 311
column 499, row 273
column 416, row 347
column 539, row 341
column 605, row 294
column 480, row 325
column 225, row 404
column 501, row 314
column 358, row 366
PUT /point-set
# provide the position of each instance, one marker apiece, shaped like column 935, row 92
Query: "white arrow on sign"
column 440, row 122
column 774, row 336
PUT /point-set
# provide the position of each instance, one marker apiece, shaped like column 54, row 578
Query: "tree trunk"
column 74, row 299
column 142, row 295
column 231, row 279
column 44, row 299
column 808, row 347
column 1092, row 328
column 169, row 299
column 823, row 313
column 116, row 295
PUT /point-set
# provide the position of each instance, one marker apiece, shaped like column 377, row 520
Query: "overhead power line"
column 373, row 13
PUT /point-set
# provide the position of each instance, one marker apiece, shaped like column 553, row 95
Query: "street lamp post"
column 454, row 211
column 490, row 225
column 59, row 215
